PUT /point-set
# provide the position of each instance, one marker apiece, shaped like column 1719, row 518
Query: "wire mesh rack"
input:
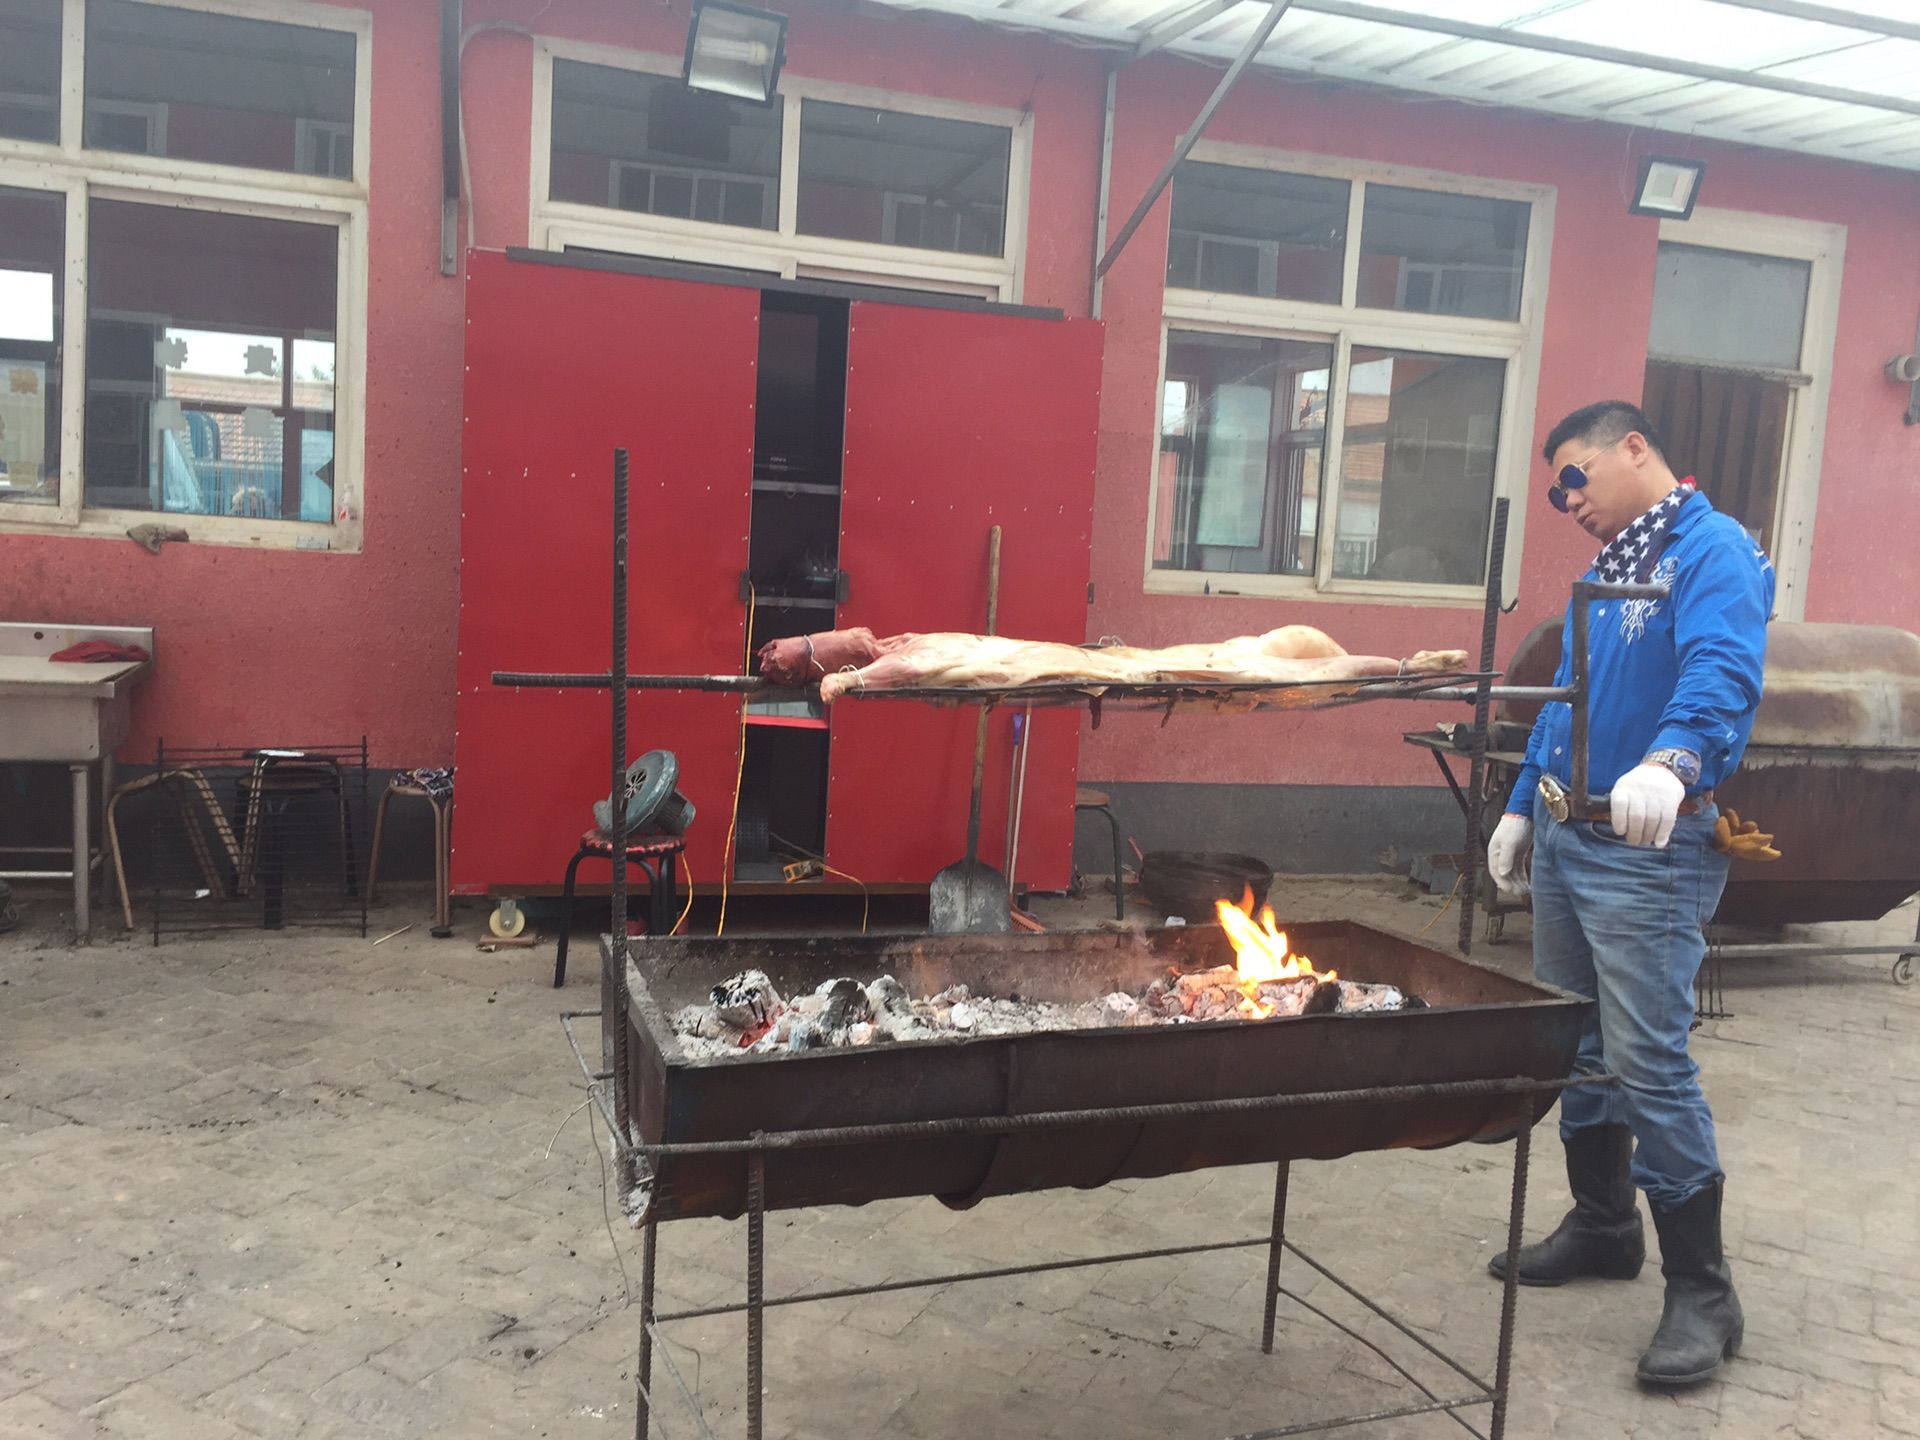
column 255, row 837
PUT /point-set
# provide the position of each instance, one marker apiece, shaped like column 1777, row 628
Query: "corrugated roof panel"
column 1892, row 66
column 1376, row 47
column 1696, row 30
column 1396, row 43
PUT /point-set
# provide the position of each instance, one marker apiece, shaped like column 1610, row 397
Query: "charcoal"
column 846, row 1005
column 746, row 1000
column 1304, row 996
column 887, row 996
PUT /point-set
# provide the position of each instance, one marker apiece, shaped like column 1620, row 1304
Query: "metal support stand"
column 1510, row 1281
column 1496, row 1393
column 756, row 1290
column 1482, row 709
column 643, row 1370
column 1275, row 1244
column 617, row 926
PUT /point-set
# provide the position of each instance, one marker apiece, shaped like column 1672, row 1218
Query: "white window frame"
column 306, row 131
column 1824, row 247
column 83, row 175
column 782, row 251
column 1345, row 325
column 154, row 112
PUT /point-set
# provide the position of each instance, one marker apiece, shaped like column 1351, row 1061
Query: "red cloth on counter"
column 101, row 652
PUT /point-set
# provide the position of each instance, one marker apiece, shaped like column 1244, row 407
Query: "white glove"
column 1646, row 801
column 1508, row 853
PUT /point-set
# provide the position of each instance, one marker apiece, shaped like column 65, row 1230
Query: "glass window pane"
column 903, row 179
column 210, row 359
column 1728, row 308
column 1417, row 466
column 1442, row 254
column 200, row 86
column 30, row 70
column 648, row 143
column 1243, row 424
column 32, row 276
column 1258, row 232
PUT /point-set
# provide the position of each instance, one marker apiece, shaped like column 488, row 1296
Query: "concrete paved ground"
column 306, row 1187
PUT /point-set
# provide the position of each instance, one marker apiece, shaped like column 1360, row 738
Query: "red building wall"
column 290, row 644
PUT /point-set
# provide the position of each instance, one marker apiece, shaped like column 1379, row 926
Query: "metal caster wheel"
column 1903, row 970
column 507, row 919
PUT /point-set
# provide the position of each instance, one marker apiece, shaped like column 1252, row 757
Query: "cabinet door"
column 958, row 421
column 563, row 365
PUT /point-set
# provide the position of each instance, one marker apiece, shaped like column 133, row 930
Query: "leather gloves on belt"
column 1509, row 853
column 1742, row 839
column 1646, row 802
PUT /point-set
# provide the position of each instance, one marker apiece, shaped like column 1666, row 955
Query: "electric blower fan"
column 653, row 805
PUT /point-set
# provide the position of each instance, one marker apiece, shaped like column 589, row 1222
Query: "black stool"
column 266, row 795
column 653, row 854
column 1102, row 803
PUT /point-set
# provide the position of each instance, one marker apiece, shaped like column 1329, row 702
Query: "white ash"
column 1360, row 999
column 747, row 1015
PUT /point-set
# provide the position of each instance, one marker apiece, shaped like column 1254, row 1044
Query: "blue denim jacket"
column 1681, row 673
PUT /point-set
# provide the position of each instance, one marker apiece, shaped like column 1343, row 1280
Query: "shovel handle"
column 980, row 727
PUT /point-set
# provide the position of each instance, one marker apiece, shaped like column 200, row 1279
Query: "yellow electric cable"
column 1445, row 906
column 739, row 774
column 866, row 897
column 686, row 909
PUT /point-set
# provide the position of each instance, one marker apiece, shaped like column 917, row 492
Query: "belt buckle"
column 1554, row 796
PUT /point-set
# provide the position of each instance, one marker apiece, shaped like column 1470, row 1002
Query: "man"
column 1620, row 893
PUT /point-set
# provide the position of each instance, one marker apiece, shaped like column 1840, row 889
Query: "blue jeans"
column 1622, row 925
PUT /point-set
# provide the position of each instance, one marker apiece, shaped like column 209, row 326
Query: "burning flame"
column 1260, row 949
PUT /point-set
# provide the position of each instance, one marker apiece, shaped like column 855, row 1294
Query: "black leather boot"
column 1701, row 1324
column 1602, row 1235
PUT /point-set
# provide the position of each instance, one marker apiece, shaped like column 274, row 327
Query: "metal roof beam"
column 1185, row 23
column 1606, row 54
column 1255, row 43
column 1832, row 15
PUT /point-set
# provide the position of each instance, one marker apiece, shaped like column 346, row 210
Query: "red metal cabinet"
column 563, row 365
column 958, row 421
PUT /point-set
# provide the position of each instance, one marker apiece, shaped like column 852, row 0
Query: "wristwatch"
column 1683, row 763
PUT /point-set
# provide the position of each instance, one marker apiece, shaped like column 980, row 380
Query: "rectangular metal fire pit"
column 1477, row 1025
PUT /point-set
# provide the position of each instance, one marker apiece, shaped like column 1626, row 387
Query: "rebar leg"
column 1510, row 1286
column 643, row 1372
column 1275, row 1238
column 82, row 856
column 756, row 1288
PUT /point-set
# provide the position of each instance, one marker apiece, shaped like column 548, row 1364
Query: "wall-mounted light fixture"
column 1905, row 370
column 1667, row 187
column 735, row 50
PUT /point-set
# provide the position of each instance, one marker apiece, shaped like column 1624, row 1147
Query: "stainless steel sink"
column 75, row 714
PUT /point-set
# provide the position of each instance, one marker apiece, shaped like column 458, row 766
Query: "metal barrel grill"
column 1832, row 770
column 1477, row 1025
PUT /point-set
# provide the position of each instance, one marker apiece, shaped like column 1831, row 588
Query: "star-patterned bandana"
column 1629, row 557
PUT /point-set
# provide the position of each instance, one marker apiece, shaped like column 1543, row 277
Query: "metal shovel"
column 969, row 898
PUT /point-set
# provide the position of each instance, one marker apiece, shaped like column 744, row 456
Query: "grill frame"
column 688, row 1111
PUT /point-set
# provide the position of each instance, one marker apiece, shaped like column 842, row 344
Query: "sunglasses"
column 1573, row 477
